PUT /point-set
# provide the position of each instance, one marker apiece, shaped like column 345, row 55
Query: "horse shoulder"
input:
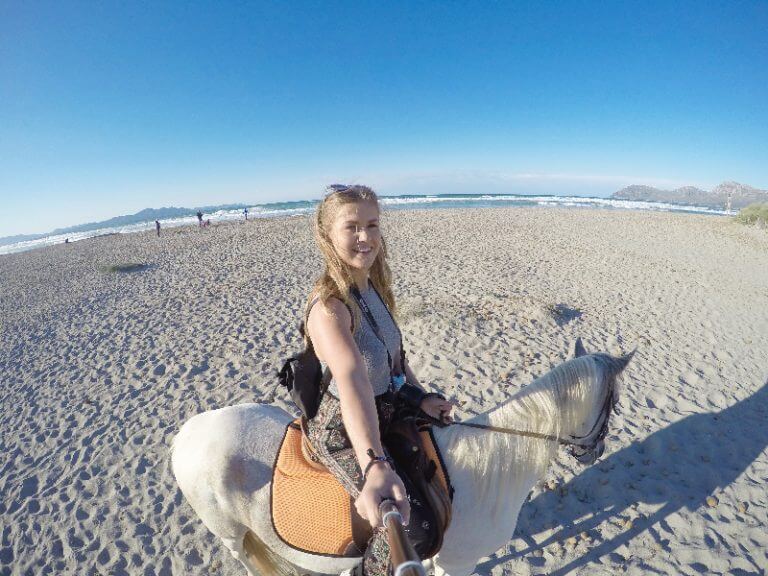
column 222, row 458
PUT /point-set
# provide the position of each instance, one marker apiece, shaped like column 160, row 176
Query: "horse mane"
column 564, row 400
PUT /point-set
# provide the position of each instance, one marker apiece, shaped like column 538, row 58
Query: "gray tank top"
column 373, row 351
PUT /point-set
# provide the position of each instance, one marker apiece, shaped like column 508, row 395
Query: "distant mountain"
column 146, row 215
column 740, row 195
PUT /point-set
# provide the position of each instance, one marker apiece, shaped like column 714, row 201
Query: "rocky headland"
column 728, row 195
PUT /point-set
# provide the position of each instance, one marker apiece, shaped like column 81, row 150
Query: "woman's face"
column 356, row 235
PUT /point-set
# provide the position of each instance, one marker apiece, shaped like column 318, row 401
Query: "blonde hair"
column 337, row 279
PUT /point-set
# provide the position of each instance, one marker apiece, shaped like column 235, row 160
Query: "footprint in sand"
column 707, row 371
column 717, row 399
column 142, row 466
column 104, row 557
column 689, row 377
column 656, row 400
column 33, row 506
column 29, row 487
column 6, row 556
column 199, row 369
column 193, row 558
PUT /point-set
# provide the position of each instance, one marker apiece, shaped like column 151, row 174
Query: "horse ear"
column 619, row 363
column 578, row 349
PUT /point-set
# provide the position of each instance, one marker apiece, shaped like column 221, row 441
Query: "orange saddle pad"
column 311, row 511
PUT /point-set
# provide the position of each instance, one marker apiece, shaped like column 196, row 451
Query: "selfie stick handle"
column 405, row 560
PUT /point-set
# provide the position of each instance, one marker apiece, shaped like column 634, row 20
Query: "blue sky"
column 107, row 108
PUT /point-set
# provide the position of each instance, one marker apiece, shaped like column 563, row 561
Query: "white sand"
column 98, row 370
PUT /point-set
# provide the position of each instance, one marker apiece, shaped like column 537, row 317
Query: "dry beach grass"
column 100, row 366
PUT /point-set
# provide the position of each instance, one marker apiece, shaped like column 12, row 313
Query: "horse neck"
column 564, row 401
column 492, row 474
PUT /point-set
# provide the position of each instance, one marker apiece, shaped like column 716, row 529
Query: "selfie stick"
column 405, row 560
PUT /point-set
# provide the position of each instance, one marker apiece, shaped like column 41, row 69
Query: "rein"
column 513, row 432
column 604, row 413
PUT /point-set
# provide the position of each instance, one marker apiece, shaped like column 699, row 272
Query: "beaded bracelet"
column 375, row 460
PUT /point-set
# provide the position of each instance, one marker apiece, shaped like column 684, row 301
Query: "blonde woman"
column 350, row 322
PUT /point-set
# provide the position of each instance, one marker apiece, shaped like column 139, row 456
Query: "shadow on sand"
column 677, row 467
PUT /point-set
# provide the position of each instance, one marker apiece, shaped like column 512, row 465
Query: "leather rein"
column 602, row 421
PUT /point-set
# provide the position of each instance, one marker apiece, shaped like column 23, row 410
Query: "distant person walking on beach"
column 157, row 227
column 199, row 219
column 245, row 211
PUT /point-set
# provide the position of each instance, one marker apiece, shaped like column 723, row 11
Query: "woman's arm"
column 329, row 329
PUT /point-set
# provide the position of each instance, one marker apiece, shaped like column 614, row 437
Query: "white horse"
column 223, row 461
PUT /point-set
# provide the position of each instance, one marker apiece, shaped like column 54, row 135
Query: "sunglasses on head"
column 337, row 189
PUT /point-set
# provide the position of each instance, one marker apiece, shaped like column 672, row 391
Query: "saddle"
column 313, row 513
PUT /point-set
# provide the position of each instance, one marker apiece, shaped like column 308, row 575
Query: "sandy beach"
column 99, row 369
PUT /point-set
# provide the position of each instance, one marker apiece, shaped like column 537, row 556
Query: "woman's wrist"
column 376, row 468
column 428, row 395
column 375, row 462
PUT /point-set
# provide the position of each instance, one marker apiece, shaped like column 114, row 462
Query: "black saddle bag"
column 430, row 503
column 303, row 376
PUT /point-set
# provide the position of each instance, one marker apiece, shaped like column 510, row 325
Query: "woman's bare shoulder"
column 328, row 314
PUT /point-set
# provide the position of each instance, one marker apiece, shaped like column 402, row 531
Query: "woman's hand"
column 382, row 483
column 438, row 408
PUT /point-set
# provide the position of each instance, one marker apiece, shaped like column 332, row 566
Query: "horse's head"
column 590, row 447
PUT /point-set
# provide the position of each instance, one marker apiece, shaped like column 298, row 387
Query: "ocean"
column 438, row 201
